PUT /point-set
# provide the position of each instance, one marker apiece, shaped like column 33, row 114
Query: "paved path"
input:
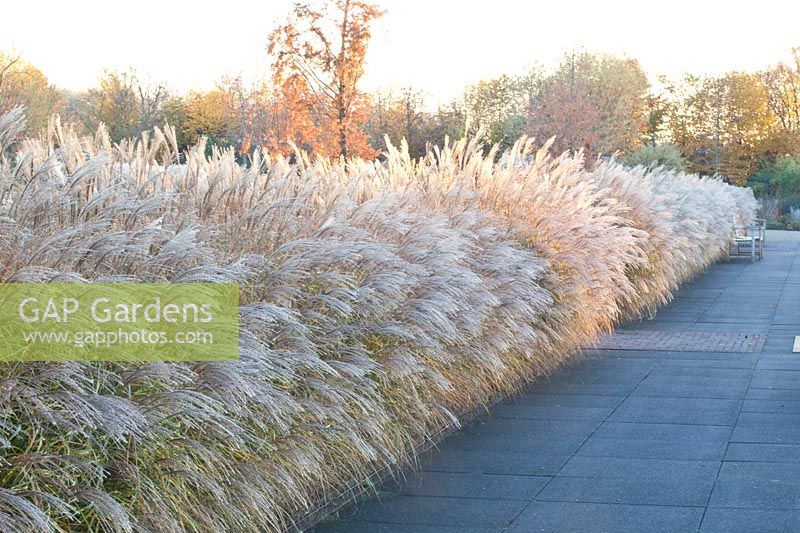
column 705, row 436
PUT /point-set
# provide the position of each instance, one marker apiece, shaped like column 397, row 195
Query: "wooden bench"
column 747, row 241
column 762, row 222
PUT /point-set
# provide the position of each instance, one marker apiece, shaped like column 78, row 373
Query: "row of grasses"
column 380, row 302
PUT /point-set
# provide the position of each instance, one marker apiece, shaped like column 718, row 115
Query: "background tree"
column 399, row 116
column 592, row 101
column 655, row 117
column 723, row 124
column 262, row 107
column 620, row 91
column 326, row 46
column 497, row 106
column 297, row 122
column 782, row 83
column 22, row 84
column 564, row 109
column 448, row 122
column 124, row 104
column 209, row 114
column 782, row 87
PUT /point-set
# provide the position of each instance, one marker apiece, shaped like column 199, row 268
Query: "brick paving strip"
column 686, row 422
column 682, row 341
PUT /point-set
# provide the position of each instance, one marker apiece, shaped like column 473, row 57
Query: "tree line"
column 744, row 126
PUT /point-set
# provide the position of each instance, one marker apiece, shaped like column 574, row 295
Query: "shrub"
column 655, row 155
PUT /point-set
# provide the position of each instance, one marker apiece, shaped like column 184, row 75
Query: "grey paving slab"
column 529, row 428
column 697, row 381
column 770, row 485
column 771, row 406
column 601, row 389
column 759, row 471
column 765, row 320
column 748, row 451
column 654, row 449
column 755, row 495
column 722, row 362
column 452, row 459
column 696, row 371
column 783, row 363
column 773, row 394
column 536, row 399
column 760, row 382
column 344, row 526
column 779, row 374
column 468, row 485
column 672, row 416
column 551, row 413
column 662, row 432
column 637, row 468
column 708, row 356
column 436, row 511
column 666, row 410
column 700, row 435
column 776, row 420
column 715, row 327
column 625, row 354
column 696, row 389
column 769, row 434
column 606, row 518
column 750, row 520
column 618, row 383
column 665, row 491
column 526, row 443
column 680, row 404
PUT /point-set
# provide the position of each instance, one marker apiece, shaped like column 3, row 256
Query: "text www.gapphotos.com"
column 115, row 338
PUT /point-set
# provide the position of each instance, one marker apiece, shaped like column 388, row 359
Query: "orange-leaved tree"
column 318, row 58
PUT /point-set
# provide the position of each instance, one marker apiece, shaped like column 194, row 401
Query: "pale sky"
column 438, row 46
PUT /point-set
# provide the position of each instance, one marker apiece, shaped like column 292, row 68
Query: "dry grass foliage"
column 380, row 302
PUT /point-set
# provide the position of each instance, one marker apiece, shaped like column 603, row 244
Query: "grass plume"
column 380, row 302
